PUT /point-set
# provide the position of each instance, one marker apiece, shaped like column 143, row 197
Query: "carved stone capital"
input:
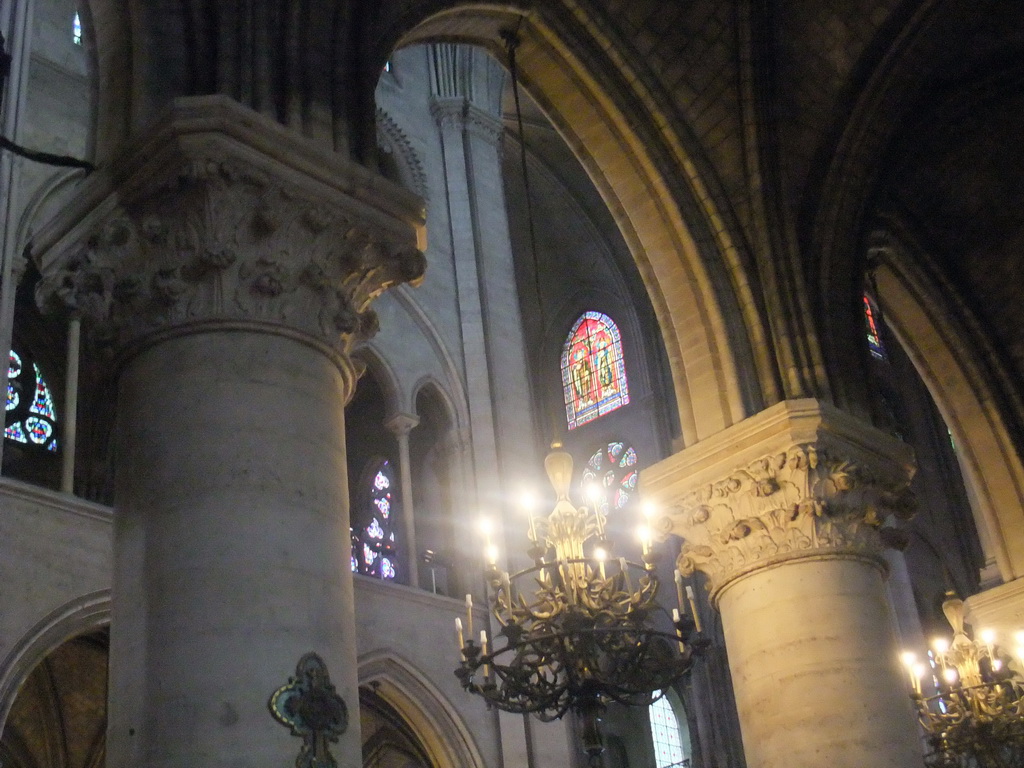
column 401, row 424
column 801, row 479
column 449, row 113
column 217, row 214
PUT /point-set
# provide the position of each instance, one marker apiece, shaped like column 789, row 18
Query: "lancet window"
column 873, row 332
column 373, row 535
column 667, row 736
column 593, row 369
column 610, row 476
column 31, row 416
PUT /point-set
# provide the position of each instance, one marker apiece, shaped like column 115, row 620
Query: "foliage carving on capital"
column 805, row 501
column 222, row 240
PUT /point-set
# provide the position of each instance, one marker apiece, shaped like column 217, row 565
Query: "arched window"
column 31, row 417
column 373, row 535
column 670, row 743
column 613, row 470
column 76, row 30
column 874, row 335
column 593, row 369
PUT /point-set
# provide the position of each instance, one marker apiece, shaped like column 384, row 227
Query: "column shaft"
column 231, row 549
column 815, row 667
column 788, row 514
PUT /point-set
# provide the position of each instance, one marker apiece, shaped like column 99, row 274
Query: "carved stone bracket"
column 805, row 480
column 312, row 709
column 221, row 215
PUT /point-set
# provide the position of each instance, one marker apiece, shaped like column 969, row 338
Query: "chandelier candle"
column 574, row 636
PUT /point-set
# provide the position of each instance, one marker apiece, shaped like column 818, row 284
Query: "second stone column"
column 787, row 514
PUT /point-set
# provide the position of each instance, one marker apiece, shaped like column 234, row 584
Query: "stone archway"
column 668, row 221
column 431, row 719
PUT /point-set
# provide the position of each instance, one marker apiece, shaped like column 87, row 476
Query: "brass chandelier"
column 975, row 718
column 577, row 628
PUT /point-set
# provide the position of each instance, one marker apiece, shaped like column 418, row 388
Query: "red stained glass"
column 593, row 370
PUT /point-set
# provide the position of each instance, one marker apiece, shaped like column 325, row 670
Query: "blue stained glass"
column 355, row 564
column 373, row 547
column 39, row 431
column 13, row 398
column 76, row 30
column 16, row 432
column 52, row 446
column 613, row 469
column 43, row 404
column 14, row 369
column 629, row 460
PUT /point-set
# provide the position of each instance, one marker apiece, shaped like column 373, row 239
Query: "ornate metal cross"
column 313, row 710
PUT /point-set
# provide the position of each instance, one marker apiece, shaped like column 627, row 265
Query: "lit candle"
column 988, row 637
column 949, row 674
column 600, row 555
column 910, row 662
column 469, row 615
column 693, row 607
column 644, row 534
column 491, row 554
column 941, row 646
column 919, row 673
column 507, row 583
column 459, row 638
column 527, row 503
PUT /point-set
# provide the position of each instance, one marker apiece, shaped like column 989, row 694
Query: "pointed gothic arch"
column 429, row 715
column 953, row 358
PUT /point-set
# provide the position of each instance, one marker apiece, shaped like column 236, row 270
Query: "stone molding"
column 461, row 115
column 798, row 480
column 220, row 214
column 392, row 140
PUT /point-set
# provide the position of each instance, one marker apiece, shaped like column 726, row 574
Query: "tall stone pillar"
column 231, row 264
column 787, row 514
column 401, row 425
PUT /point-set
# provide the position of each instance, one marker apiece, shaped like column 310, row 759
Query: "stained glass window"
column 874, row 337
column 612, row 470
column 666, row 735
column 373, row 536
column 593, row 370
column 31, row 416
column 76, row 30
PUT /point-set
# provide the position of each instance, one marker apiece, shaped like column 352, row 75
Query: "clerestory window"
column 593, row 369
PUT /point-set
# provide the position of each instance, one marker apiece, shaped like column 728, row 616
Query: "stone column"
column 231, row 265
column 400, row 425
column 787, row 514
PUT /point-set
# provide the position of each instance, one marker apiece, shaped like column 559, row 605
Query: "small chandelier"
column 976, row 717
column 576, row 628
